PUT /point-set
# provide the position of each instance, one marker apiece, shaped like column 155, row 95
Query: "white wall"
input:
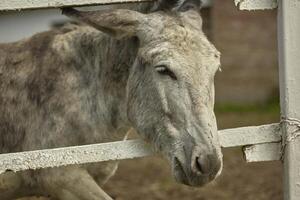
column 18, row 25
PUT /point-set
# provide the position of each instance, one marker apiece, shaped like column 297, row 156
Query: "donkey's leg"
column 72, row 183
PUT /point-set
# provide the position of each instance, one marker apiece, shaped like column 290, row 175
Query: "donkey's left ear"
column 117, row 23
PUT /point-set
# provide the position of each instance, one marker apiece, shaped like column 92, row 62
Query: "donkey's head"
column 170, row 90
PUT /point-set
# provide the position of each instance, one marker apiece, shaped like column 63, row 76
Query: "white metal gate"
column 261, row 143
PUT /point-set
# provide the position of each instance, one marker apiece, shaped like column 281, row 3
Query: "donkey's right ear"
column 117, row 23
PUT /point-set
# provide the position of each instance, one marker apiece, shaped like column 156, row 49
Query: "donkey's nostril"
column 202, row 164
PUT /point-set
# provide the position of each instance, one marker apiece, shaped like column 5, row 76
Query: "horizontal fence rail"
column 263, row 152
column 125, row 149
column 250, row 135
column 11, row 5
column 6, row 5
column 256, row 4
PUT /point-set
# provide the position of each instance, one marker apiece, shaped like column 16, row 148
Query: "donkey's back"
column 48, row 90
column 24, row 86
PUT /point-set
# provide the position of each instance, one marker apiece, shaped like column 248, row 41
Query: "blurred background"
column 246, row 94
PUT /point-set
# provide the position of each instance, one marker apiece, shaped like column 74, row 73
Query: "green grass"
column 268, row 107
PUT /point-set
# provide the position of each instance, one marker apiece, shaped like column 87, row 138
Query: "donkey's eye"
column 165, row 71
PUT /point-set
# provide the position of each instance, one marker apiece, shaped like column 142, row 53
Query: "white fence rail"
column 8, row 5
column 126, row 149
column 263, row 152
column 256, row 4
column 39, row 4
column 11, row 5
column 261, row 143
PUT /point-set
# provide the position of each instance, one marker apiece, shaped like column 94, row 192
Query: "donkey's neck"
column 104, row 64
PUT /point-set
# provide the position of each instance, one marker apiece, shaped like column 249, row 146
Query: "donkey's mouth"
column 179, row 173
column 186, row 176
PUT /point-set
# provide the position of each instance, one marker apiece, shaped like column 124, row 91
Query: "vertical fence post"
column 289, row 64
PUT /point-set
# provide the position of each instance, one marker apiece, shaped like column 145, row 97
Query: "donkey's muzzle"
column 201, row 165
column 197, row 169
column 204, row 163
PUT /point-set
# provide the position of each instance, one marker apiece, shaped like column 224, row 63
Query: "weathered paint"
column 256, row 4
column 289, row 63
column 262, row 152
column 38, row 4
column 250, row 135
column 74, row 155
column 124, row 149
column 7, row 5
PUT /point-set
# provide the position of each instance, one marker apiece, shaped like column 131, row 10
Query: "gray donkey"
column 84, row 84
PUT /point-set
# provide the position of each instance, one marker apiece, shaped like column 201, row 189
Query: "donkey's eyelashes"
column 165, row 71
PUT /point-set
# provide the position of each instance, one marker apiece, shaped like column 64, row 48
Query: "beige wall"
column 248, row 43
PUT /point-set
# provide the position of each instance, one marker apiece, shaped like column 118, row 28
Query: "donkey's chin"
column 191, row 179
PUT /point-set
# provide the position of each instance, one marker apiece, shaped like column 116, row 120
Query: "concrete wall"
column 248, row 43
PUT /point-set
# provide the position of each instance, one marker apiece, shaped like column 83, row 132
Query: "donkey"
column 83, row 84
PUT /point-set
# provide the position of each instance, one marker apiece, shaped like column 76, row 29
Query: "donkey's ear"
column 117, row 23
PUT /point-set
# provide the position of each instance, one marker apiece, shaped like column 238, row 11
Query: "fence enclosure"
column 279, row 141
